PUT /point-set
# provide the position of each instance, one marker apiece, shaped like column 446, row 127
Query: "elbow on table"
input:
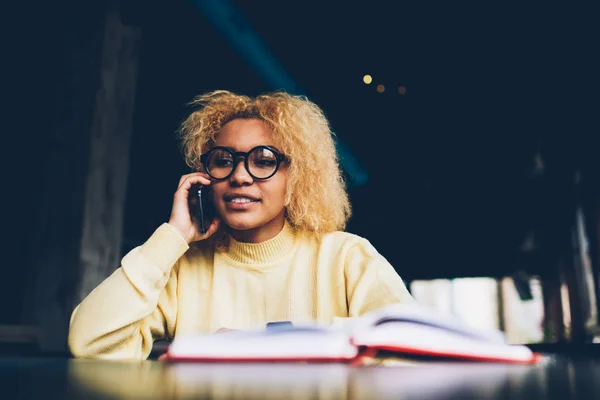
column 108, row 349
column 80, row 347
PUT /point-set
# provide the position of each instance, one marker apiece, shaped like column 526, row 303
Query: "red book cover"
column 396, row 330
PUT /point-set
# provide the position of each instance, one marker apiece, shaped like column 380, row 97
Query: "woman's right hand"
column 181, row 217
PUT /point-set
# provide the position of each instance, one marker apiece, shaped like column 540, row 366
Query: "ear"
column 288, row 200
column 288, row 195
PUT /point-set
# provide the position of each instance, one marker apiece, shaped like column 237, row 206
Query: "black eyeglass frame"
column 235, row 156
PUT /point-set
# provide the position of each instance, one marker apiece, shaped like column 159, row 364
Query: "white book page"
column 288, row 343
column 431, row 341
column 424, row 316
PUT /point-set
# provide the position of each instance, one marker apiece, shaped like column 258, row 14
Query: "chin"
column 241, row 224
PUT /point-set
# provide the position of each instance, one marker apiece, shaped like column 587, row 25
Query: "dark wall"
column 32, row 63
column 452, row 195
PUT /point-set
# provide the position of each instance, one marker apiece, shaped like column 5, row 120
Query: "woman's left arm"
column 371, row 281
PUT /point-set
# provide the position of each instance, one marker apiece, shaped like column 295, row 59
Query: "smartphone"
column 204, row 209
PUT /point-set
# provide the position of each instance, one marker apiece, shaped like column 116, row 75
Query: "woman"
column 275, row 252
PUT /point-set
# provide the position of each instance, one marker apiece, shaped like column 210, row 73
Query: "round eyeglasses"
column 262, row 162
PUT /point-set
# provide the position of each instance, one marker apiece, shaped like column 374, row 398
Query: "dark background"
column 452, row 188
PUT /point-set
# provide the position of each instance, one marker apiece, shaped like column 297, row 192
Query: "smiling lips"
column 240, row 203
column 241, row 200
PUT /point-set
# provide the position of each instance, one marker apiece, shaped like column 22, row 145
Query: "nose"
column 240, row 175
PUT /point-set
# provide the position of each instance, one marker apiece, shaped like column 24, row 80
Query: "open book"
column 403, row 331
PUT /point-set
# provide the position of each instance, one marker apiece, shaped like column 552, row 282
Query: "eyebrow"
column 233, row 150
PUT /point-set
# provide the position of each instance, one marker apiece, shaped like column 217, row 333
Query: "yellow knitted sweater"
column 165, row 287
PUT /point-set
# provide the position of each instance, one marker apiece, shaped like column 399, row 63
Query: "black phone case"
column 200, row 208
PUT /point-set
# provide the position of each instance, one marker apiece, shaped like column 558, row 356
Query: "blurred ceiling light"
column 380, row 88
column 402, row 89
column 367, row 79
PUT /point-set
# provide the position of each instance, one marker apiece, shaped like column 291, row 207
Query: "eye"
column 263, row 158
column 265, row 162
column 222, row 162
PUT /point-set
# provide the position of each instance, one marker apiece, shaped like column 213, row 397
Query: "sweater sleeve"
column 121, row 318
column 371, row 281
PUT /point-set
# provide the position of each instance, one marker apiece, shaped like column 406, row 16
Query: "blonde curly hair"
column 316, row 195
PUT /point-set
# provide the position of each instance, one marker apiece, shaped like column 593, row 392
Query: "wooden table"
column 557, row 377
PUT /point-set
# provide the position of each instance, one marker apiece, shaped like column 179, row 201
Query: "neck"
column 259, row 234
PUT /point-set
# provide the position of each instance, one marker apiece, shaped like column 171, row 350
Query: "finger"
column 187, row 183
column 204, row 179
column 192, row 175
column 214, row 226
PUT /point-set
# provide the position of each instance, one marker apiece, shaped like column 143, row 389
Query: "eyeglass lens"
column 262, row 163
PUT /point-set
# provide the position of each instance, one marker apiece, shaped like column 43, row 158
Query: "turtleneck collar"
column 265, row 254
